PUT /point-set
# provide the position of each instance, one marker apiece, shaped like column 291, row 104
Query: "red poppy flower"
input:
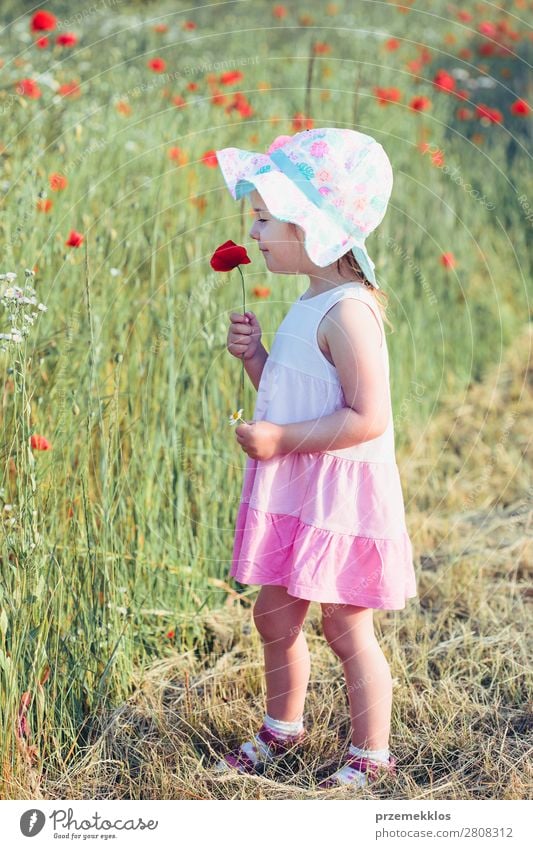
column 57, row 182
column 230, row 77
column 448, row 260
column 71, row 89
column 492, row 114
column 210, row 159
column 520, row 107
column 160, row 28
column 189, row 25
column 67, row 39
column 387, row 95
column 44, row 205
column 464, row 16
column 300, row 122
column 279, row 11
column 487, row 28
column 392, row 44
column 444, row 80
column 43, row 20
column 487, row 49
column 261, row 291
column 178, row 100
column 228, row 256
column 464, row 114
column 171, row 634
column 192, row 86
column 321, row 47
column 42, row 42
column 39, row 443
column 74, row 240
column 419, row 104
column 158, row 65
column 28, row 88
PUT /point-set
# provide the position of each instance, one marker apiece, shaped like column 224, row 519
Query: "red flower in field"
column 43, row 20
column 464, row 16
column 487, row 28
column 261, row 291
column 443, row 80
column 464, row 114
column 210, row 159
column 488, row 112
column 71, row 89
column 230, row 77
column 177, row 100
column 486, row 49
column 192, row 86
column 300, row 122
column 321, row 47
column 420, row 104
column 448, row 260
column 158, row 65
column 415, row 65
column 67, row 39
column 42, row 42
column 189, row 25
column 465, row 53
column 520, row 107
column 160, row 28
column 218, row 99
column 279, row 11
column 74, row 240
column 39, row 443
column 171, row 634
column 57, row 182
column 28, row 88
column 44, row 205
column 392, row 44
column 228, row 256
column 387, row 95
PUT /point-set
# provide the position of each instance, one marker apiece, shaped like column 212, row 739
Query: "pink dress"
column 329, row 526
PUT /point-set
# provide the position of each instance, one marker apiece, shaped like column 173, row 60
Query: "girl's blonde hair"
column 349, row 265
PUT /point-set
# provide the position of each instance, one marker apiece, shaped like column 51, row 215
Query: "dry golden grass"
column 462, row 708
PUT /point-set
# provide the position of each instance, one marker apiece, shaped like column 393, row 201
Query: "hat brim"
column 325, row 241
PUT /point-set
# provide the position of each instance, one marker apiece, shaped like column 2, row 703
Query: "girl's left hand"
column 261, row 439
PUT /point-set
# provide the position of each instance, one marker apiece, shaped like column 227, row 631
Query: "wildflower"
column 448, row 260
column 386, row 95
column 419, row 104
column 28, row 88
column 230, row 77
column 43, row 20
column 39, row 443
column 392, row 44
column 57, row 182
column 443, row 81
column 520, row 107
column 67, row 39
column 228, row 256
column 74, row 240
column 210, row 159
column 236, row 417
column 158, row 65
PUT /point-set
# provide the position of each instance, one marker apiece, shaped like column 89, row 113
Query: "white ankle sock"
column 283, row 729
column 348, row 775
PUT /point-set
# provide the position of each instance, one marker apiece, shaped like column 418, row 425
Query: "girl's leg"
column 279, row 618
column 349, row 631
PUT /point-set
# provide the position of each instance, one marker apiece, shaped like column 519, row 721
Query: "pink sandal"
column 371, row 769
column 243, row 763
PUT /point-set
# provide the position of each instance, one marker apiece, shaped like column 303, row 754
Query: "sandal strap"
column 277, row 746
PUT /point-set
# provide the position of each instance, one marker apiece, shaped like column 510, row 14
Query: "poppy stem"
column 239, row 405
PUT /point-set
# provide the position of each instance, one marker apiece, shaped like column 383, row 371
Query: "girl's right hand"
column 244, row 335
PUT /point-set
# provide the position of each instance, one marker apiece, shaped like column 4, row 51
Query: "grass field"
column 127, row 656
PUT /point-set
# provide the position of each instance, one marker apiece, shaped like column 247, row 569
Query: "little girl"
column 321, row 516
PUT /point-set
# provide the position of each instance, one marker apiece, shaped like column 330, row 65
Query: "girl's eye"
column 261, row 219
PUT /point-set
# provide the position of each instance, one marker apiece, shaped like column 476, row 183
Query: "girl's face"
column 282, row 249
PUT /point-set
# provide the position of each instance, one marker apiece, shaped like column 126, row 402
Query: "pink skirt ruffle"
column 311, row 546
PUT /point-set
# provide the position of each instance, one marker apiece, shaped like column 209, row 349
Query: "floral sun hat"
column 334, row 183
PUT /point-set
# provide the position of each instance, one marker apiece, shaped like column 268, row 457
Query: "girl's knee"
column 347, row 629
column 277, row 621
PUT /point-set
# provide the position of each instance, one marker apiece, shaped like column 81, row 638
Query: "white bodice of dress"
column 298, row 383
